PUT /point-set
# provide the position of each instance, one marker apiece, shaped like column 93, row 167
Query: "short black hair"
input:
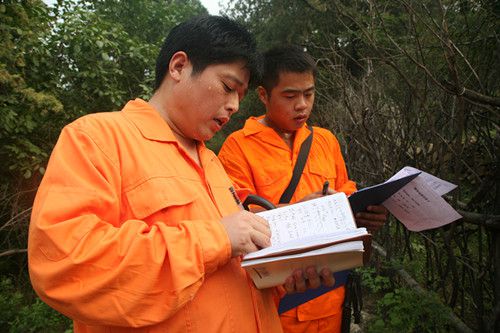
column 285, row 59
column 210, row 40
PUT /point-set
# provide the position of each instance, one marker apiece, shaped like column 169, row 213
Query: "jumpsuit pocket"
column 322, row 171
column 165, row 198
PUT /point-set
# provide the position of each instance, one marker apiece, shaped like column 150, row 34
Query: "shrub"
column 19, row 315
column 405, row 310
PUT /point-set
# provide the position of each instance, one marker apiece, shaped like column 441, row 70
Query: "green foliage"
column 26, row 110
column 10, row 303
column 104, row 52
column 404, row 310
column 20, row 316
column 373, row 281
column 78, row 57
column 147, row 21
column 39, row 317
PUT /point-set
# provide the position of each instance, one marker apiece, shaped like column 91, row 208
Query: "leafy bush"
column 10, row 304
column 21, row 316
column 405, row 310
column 373, row 281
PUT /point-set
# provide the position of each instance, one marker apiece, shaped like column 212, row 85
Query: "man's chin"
column 207, row 136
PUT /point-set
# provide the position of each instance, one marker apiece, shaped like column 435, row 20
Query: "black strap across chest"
column 299, row 167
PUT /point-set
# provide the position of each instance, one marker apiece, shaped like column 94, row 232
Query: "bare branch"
column 473, row 95
column 11, row 252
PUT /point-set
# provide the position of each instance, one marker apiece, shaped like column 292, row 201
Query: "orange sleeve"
column 90, row 265
column 342, row 183
column 235, row 163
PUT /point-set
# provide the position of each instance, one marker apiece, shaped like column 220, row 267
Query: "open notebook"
column 319, row 232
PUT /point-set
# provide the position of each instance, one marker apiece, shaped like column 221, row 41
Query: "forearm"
column 127, row 276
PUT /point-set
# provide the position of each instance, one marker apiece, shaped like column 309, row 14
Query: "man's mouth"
column 221, row 121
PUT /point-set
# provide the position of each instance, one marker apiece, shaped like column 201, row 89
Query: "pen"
column 325, row 187
column 235, row 196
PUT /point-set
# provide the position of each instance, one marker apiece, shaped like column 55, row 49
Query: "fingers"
column 289, row 285
column 317, row 194
column 308, row 278
column 259, row 224
column 296, row 282
column 248, row 247
column 379, row 209
column 311, row 196
column 372, row 226
column 300, row 281
column 261, row 233
column 260, row 240
column 327, row 277
column 369, row 224
column 247, row 232
column 361, row 221
column 313, row 278
column 373, row 219
column 376, row 212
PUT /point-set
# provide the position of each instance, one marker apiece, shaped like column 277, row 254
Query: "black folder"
column 375, row 195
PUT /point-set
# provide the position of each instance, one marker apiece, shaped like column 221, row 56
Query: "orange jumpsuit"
column 257, row 158
column 125, row 234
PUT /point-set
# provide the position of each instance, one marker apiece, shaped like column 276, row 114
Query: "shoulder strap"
column 299, row 167
column 290, row 301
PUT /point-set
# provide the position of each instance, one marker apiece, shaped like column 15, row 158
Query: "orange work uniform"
column 125, row 234
column 257, row 158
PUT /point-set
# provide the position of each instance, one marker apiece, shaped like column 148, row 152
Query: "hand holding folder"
column 377, row 194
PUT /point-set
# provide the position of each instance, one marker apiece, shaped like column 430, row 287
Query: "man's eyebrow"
column 295, row 90
column 234, row 78
column 237, row 81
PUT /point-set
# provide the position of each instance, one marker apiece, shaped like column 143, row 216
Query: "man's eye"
column 227, row 88
column 289, row 96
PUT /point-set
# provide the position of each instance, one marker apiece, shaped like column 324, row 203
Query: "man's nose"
column 301, row 103
column 232, row 103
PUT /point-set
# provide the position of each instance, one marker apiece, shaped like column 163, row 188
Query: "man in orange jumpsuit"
column 134, row 227
column 262, row 155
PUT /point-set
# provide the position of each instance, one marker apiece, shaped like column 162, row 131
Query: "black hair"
column 209, row 40
column 285, row 59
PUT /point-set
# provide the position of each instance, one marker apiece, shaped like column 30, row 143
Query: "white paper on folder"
column 441, row 187
column 418, row 206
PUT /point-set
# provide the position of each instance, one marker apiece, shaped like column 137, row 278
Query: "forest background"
column 400, row 82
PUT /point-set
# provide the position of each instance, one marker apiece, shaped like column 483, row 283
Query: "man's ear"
column 178, row 63
column 262, row 92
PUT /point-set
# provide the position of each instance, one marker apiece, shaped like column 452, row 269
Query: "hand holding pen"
column 246, row 231
column 326, row 190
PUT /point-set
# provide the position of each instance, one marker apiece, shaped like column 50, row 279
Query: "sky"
column 213, row 5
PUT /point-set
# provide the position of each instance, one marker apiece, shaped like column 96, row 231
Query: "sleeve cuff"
column 215, row 245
